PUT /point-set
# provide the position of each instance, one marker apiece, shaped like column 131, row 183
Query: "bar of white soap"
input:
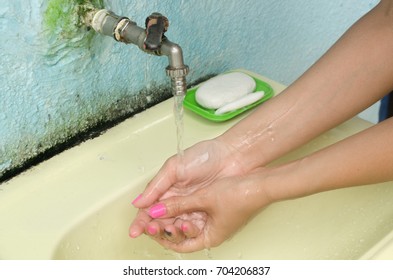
column 240, row 103
column 224, row 89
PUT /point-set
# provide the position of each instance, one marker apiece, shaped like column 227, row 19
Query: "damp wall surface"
column 58, row 82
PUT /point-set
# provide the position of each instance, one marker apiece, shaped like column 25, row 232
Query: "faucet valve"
column 151, row 40
column 156, row 26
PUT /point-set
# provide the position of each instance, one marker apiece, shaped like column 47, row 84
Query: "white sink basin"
column 77, row 205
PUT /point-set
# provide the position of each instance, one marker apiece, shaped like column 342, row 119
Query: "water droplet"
column 270, row 132
column 246, row 192
column 207, row 253
column 239, row 255
column 141, row 168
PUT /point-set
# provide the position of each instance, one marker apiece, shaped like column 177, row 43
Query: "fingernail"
column 168, row 233
column 151, row 230
column 136, row 199
column 157, row 211
column 133, row 234
column 184, row 228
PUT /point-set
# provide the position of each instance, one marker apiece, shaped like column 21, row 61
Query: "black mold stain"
column 117, row 113
column 121, row 110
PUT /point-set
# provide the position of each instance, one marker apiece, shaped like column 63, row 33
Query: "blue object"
column 386, row 108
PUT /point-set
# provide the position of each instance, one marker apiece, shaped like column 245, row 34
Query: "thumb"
column 164, row 179
column 176, row 206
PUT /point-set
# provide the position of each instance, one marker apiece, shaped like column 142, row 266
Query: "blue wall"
column 52, row 86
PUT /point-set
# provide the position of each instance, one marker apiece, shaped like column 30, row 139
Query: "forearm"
column 365, row 158
column 356, row 72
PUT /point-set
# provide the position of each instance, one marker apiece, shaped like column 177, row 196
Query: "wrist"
column 287, row 181
column 242, row 152
column 233, row 160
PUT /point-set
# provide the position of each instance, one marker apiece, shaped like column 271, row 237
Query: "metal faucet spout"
column 151, row 40
column 174, row 54
column 176, row 69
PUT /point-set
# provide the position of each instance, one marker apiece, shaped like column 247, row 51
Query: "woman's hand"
column 228, row 204
column 200, row 165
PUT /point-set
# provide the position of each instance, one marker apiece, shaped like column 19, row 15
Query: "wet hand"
column 180, row 176
column 227, row 205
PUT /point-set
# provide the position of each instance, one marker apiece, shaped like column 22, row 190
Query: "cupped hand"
column 200, row 165
column 228, row 204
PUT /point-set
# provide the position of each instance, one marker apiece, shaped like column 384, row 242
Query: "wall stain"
column 64, row 18
column 64, row 29
column 93, row 126
column 122, row 109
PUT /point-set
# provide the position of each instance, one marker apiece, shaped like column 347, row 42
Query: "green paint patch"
column 64, row 21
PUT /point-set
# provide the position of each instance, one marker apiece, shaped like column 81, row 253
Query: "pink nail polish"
column 184, row 227
column 136, row 199
column 151, row 230
column 157, row 211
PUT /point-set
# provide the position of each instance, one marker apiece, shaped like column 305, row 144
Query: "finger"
column 163, row 180
column 188, row 245
column 189, row 229
column 176, row 206
column 173, row 234
column 155, row 228
column 137, row 227
column 166, row 229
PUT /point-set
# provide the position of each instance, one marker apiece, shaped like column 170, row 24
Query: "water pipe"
column 151, row 40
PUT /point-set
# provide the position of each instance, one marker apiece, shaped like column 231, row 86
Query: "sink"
column 334, row 225
column 77, row 205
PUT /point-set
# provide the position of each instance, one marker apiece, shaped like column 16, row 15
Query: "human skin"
column 355, row 73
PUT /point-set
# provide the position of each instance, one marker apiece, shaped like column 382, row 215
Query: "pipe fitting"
column 177, row 72
column 104, row 22
column 119, row 29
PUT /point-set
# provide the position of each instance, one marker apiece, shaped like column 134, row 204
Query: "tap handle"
column 156, row 26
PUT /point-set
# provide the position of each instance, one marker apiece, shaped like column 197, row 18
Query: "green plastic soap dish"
column 191, row 104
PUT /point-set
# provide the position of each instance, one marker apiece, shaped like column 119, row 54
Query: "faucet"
column 150, row 40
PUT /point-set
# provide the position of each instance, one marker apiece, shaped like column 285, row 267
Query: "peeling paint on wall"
column 59, row 81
